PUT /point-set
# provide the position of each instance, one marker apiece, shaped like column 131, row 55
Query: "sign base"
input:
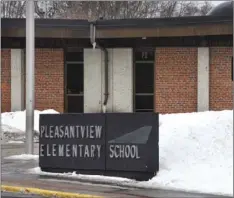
column 135, row 175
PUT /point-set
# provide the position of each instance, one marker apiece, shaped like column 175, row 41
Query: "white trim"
column 17, row 79
column 203, row 57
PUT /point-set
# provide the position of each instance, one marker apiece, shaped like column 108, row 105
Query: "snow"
column 196, row 154
column 15, row 142
column 100, row 178
column 23, row 157
column 11, row 129
column 13, row 125
column 15, row 121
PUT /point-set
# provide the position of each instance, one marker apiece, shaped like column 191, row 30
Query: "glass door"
column 144, row 80
column 74, row 74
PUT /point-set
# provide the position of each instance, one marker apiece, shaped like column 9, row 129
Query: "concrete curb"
column 45, row 193
column 64, row 178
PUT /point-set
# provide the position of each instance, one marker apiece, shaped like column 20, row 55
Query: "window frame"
column 134, row 78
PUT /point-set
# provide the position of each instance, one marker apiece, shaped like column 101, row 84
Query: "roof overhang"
column 47, row 33
column 165, row 27
column 125, row 28
column 47, row 28
column 192, row 30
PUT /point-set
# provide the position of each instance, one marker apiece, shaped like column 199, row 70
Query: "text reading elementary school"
column 83, row 150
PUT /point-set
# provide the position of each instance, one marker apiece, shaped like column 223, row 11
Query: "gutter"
column 96, row 44
column 162, row 22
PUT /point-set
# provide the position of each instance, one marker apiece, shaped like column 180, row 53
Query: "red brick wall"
column 175, row 80
column 220, row 78
column 49, row 83
column 6, row 79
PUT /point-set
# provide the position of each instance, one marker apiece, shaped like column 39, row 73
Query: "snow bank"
column 23, row 157
column 99, row 178
column 10, row 129
column 14, row 122
column 196, row 154
column 15, row 142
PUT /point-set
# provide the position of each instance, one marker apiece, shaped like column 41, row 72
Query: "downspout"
column 95, row 44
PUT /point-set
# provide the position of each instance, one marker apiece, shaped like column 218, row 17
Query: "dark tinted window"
column 144, row 80
column 75, row 104
column 144, row 102
column 75, row 56
column 75, row 78
column 144, row 76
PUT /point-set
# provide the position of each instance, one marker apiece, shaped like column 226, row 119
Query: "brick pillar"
column 6, row 80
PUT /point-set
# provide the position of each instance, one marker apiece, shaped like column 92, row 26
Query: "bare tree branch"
column 93, row 10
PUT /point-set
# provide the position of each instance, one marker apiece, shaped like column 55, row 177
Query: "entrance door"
column 74, row 81
column 144, row 80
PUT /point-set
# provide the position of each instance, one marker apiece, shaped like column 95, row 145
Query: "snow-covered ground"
column 16, row 120
column 13, row 125
column 23, row 157
column 196, row 154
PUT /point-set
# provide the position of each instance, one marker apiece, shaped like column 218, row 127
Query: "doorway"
column 74, row 80
column 144, row 80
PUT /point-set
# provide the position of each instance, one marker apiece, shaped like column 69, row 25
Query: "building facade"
column 163, row 65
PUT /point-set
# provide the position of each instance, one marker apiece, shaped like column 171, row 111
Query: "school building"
column 167, row 65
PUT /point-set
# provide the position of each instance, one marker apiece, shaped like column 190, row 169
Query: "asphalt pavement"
column 18, row 195
column 16, row 173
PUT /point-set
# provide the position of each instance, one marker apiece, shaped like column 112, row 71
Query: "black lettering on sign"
column 78, row 132
column 71, row 150
column 124, row 151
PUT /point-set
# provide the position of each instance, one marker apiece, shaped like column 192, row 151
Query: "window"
column 144, row 80
column 74, row 91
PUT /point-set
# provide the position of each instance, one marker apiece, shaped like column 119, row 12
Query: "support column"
column 17, row 79
column 122, row 80
column 30, row 77
column 203, row 79
column 93, row 62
